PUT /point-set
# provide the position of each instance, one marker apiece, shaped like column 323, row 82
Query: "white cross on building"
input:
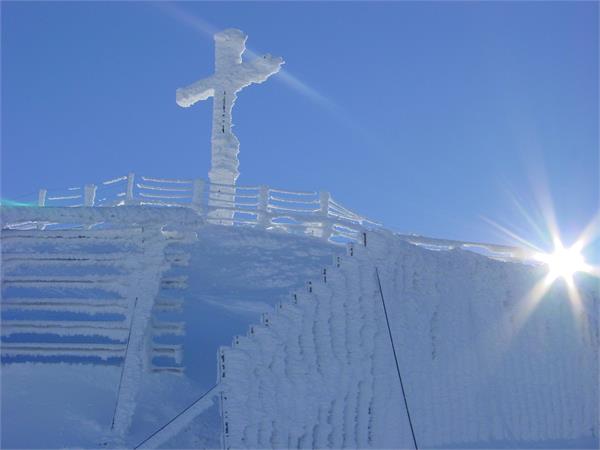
column 231, row 75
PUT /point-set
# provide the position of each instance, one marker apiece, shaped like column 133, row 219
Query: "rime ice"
column 315, row 370
column 231, row 75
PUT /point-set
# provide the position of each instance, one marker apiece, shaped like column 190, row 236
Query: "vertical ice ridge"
column 145, row 288
column 488, row 382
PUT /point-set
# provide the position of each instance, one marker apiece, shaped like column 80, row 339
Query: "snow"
column 144, row 288
column 320, row 371
column 114, row 330
column 174, row 427
column 256, row 269
column 310, row 369
column 71, row 406
column 88, row 296
column 123, row 215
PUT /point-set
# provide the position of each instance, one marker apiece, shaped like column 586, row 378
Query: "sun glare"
column 563, row 262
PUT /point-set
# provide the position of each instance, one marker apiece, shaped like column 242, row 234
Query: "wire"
column 173, row 419
column 396, row 359
column 112, row 425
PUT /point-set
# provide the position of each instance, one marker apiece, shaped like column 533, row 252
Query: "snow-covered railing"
column 67, row 296
column 299, row 212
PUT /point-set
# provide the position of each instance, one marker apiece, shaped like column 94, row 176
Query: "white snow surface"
column 231, row 276
column 319, row 370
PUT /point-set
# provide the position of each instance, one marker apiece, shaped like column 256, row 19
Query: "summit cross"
column 231, row 75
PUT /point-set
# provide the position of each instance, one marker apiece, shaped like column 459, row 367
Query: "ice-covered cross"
column 231, row 75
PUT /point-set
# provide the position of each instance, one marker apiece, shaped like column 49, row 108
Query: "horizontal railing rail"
column 299, row 212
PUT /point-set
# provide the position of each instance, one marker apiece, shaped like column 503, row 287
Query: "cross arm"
column 259, row 69
column 195, row 92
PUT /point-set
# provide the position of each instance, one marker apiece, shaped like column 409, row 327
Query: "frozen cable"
column 112, row 425
column 387, row 321
column 174, row 418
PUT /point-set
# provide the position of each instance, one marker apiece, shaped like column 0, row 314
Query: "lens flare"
column 563, row 262
column 8, row 202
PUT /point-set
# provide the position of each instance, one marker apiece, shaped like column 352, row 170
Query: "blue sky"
column 424, row 116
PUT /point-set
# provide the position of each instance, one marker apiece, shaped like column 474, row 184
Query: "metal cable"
column 396, row 359
column 174, row 418
column 112, row 425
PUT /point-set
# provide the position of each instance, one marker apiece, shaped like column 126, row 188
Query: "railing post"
column 263, row 204
column 89, row 194
column 198, row 195
column 42, row 197
column 130, row 184
column 326, row 225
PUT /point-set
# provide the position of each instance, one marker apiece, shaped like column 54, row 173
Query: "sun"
column 563, row 262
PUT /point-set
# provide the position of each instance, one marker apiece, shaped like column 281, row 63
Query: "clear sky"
column 424, row 116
